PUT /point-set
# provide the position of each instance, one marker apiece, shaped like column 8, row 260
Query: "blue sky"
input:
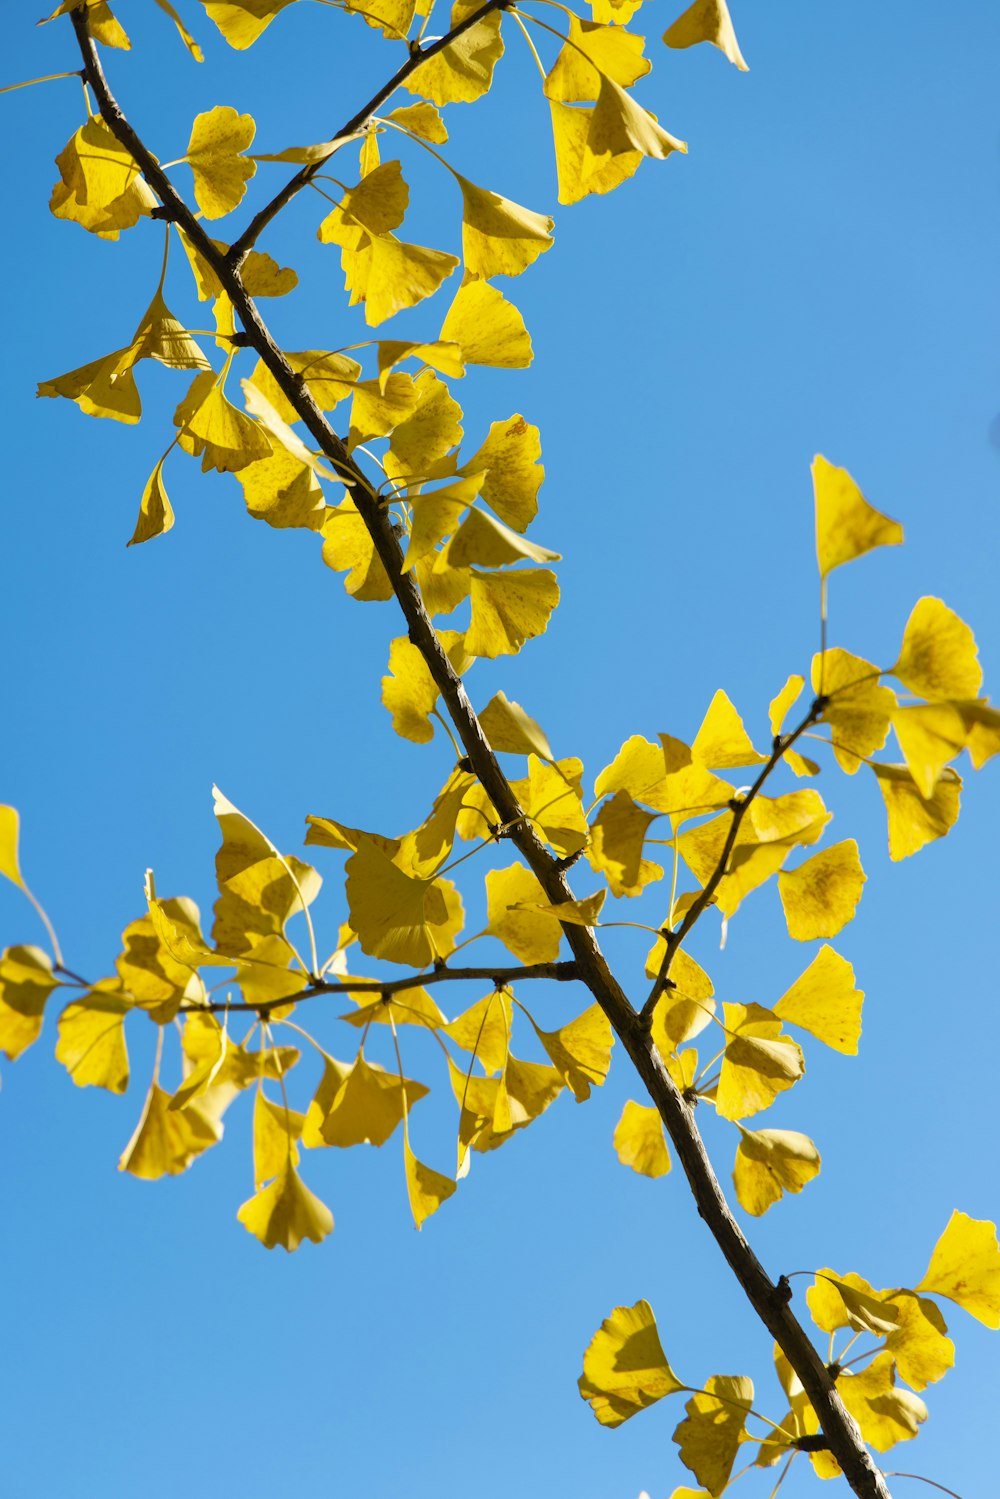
column 817, row 275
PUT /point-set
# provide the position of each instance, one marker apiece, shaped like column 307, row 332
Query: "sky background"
column 819, row 274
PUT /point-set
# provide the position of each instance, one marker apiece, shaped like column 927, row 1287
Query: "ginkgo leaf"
column 767, row 835
column 160, row 336
column 91, row 1043
column 329, row 377
column 857, row 709
column 686, row 1006
column 10, row 823
column 368, row 1106
column 919, row 1342
column 722, row 742
column 624, row 1368
column 284, row 491
column 348, row 547
column 285, row 1213
column 463, row 71
column 780, row 704
column 26, row 981
column 427, row 1189
column 514, row 916
column 397, row 917
column 487, row 328
column 221, row 173
column 508, row 609
column 509, row 457
column 100, row 187
column 408, row 1007
column 423, row 120
column 758, row 1063
column 837, row 1301
column 930, row 734
column 392, row 17
column 377, row 205
column 846, row 525
column 483, row 539
column 410, row 692
column 916, row 820
column 483, row 1030
column 620, row 126
column 421, row 442
column 965, row 1267
column 259, row 890
column 821, row 895
column 591, row 51
column 166, row 1140
column 182, row 30
column 379, row 407
column 156, row 514
column 435, row 514
column 639, row 1140
column 885, row 1414
column 577, row 912
column 104, row 388
column 617, row 836
column 214, row 430
column 938, row 658
column 242, row 21
column 499, row 238
column 710, row 1437
column 275, row 1132
column 441, row 355
column 770, row 1162
column 551, row 796
column 579, row 176
column 707, row 21
column 101, row 23
column 388, row 275
column 825, row 1002
column 154, row 978
column 580, row 1050
column 510, row 730
column 280, row 434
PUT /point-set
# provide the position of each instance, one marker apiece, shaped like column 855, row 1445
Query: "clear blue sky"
column 818, row 274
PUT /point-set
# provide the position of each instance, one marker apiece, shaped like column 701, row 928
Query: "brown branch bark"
column 770, row 1304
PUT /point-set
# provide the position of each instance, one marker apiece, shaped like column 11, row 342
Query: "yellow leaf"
column 770, row 1162
column 441, row 355
column 551, row 796
column 771, row 829
column 258, row 889
column 285, row 1213
column 104, row 387
column 580, row 1050
column 392, row 17
column 91, row 1043
column 426, row 1189
column 487, row 328
column 348, row 547
column 421, row 441
column 758, row 1064
column 422, row 120
column 639, row 1140
column 484, row 1029
column 499, row 238
column 280, row 434
column 283, row 491
column 100, row 22
column 510, row 730
column 26, row 981
column 367, row 1106
column 825, row 1002
column 9, row 827
column 156, row 515
column 154, row 978
column 965, row 1267
column 846, row 525
column 780, row 705
column 463, row 71
column 821, row 896
column 242, row 21
column 388, row 275
column 410, row 692
column 220, row 172
column 625, row 1369
column 160, row 336
column 710, row 1437
column 919, row 1342
column 617, row 836
column 182, row 30
column 167, row 1140
column 858, row 710
column 442, row 587
column 837, row 1301
column 930, row 734
column 578, row 176
column 577, row 912
column 938, row 658
column 409, row 1007
column 886, row 1415
column 275, row 1131
column 687, row 1006
column 397, row 917
column 379, row 407
column 515, row 919
column 590, row 52
column 214, row 430
column 915, row 820
column 514, row 475
column 508, row 609
column 483, row 539
column 618, row 127
column 707, row 21
column 99, row 187
column 329, row 377
column 722, row 742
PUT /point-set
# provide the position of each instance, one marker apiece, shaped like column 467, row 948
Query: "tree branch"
column 838, row 1426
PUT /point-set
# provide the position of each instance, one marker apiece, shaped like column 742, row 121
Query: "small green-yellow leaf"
column 156, row 515
column 510, row 458
column 617, row 836
column 422, row 120
column 624, row 1368
column 398, row 917
column 483, row 1030
column 965, row 1267
column 410, row 692
column 639, row 1140
column 846, row 525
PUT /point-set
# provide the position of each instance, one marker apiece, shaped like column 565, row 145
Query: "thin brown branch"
column 782, row 744
column 357, row 122
column 560, row 973
column 767, row 1299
